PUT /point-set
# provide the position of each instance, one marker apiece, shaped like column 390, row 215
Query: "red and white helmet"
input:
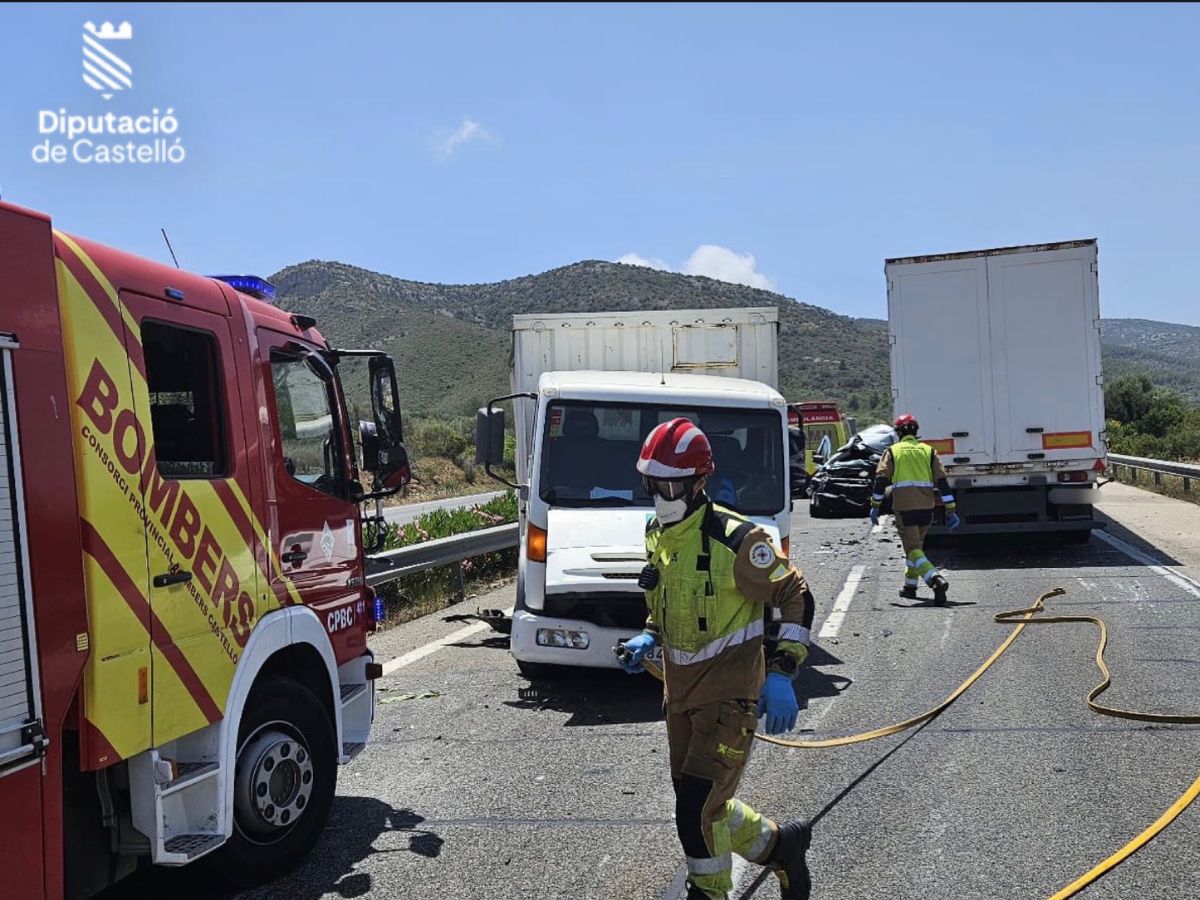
column 676, row 449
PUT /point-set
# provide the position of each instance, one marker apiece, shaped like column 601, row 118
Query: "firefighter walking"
column 710, row 576
column 918, row 481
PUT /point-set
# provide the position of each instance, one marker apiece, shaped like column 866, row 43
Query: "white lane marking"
column 434, row 646
column 1190, row 585
column 833, row 624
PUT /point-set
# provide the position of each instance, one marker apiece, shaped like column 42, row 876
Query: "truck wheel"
column 283, row 784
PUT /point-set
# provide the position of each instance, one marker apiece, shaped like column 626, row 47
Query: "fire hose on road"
column 1022, row 617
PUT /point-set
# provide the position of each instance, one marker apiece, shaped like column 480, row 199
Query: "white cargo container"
column 736, row 343
column 587, row 388
column 997, row 354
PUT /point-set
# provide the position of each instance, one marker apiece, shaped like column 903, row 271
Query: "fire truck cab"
column 183, row 609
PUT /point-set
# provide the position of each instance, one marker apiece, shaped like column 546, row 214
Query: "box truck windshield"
column 590, row 452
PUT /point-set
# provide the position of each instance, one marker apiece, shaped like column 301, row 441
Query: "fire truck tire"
column 283, row 784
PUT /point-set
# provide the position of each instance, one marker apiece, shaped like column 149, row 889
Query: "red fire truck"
column 183, row 610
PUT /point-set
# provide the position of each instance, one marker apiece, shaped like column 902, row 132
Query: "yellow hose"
column 1021, row 618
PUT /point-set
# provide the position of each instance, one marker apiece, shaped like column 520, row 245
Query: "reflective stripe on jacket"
column 914, row 470
column 717, row 572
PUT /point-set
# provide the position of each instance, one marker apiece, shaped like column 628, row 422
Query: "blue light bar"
column 250, row 284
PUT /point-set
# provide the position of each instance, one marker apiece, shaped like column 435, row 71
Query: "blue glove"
column 874, row 515
column 952, row 520
column 638, row 647
column 778, row 703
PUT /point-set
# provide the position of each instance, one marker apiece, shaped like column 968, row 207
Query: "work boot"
column 788, row 862
column 908, row 592
column 940, row 587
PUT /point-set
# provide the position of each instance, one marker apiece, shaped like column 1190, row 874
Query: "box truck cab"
column 584, row 509
column 997, row 354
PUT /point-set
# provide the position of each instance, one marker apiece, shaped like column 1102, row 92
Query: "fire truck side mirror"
column 383, row 443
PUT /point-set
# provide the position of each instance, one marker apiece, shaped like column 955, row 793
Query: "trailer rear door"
column 941, row 358
column 1045, row 323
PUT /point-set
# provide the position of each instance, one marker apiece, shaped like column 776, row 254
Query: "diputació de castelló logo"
column 108, row 138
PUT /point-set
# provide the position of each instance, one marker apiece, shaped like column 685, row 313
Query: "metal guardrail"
column 1156, row 467
column 392, row 564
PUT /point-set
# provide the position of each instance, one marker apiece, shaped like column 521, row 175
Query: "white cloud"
column 724, row 264
column 632, row 259
column 714, row 261
column 446, row 144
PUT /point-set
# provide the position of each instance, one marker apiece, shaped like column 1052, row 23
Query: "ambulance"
column 824, row 430
column 183, row 610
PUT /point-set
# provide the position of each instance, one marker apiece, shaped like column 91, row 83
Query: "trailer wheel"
column 283, row 784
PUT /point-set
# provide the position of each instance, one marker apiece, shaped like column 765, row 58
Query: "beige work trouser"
column 917, row 564
column 709, row 748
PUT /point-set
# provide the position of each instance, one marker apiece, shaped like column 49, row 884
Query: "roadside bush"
column 439, row 437
column 417, row 594
column 1151, row 422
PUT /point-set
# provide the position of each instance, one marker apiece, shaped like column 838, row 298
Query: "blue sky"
column 469, row 144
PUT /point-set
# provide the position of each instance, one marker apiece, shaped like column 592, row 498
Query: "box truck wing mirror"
column 489, row 436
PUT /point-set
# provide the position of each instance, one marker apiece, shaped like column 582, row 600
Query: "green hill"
column 1169, row 354
column 451, row 341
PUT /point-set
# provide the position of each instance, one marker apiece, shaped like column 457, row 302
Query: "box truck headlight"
column 560, row 637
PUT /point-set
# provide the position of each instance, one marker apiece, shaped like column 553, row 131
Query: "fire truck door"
column 313, row 518
column 202, row 566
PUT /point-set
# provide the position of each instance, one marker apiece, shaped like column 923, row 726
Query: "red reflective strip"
column 94, row 546
column 246, row 530
column 103, row 303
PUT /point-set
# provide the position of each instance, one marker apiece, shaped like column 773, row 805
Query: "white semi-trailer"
column 997, row 354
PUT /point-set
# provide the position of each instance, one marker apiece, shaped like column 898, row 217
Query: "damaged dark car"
column 841, row 487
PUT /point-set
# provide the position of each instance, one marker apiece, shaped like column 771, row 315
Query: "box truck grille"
column 607, row 610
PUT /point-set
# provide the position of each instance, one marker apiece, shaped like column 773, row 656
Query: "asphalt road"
column 410, row 512
column 496, row 787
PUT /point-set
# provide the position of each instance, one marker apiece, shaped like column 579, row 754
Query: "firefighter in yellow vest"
column 711, row 574
column 917, row 479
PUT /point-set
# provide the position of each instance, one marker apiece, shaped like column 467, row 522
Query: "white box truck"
column 587, row 389
column 997, row 354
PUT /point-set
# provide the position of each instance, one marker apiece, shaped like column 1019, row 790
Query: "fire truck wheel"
column 283, row 785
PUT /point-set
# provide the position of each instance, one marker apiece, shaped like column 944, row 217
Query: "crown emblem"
column 106, row 32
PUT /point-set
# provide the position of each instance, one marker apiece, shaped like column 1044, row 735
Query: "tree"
column 1128, row 399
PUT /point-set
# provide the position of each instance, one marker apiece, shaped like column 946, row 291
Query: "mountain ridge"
column 451, row 341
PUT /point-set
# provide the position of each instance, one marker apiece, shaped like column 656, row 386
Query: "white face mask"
column 670, row 511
